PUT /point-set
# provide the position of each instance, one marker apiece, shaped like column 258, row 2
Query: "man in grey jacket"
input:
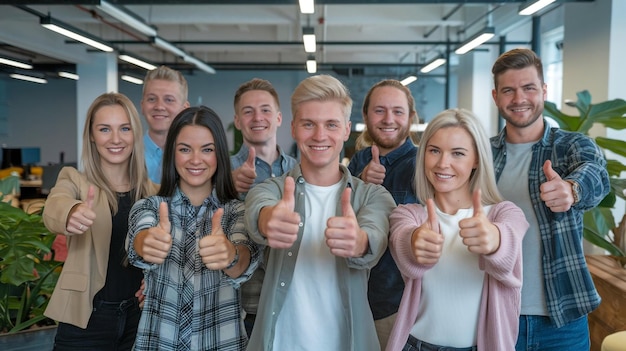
column 326, row 229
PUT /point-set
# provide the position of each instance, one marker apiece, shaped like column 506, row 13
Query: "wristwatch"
column 575, row 191
column 235, row 259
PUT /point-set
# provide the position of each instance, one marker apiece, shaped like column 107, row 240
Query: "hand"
column 556, row 193
column 157, row 242
column 427, row 241
column 139, row 294
column 478, row 233
column 81, row 216
column 216, row 250
column 280, row 223
column 245, row 175
column 343, row 235
column 374, row 172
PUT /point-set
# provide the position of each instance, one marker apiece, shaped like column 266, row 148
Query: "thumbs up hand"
column 245, row 175
column 216, row 250
column 478, row 233
column 280, row 223
column 81, row 216
column 556, row 193
column 374, row 172
column 426, row 240
column 157, row 241
column 344, row 236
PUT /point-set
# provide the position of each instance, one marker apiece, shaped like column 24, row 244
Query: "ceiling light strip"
column 28, row 78
column 128, row 18
column 73, row 33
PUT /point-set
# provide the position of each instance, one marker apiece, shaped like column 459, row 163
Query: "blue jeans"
column 539, row 333
column 413, row 344
column 111, row 327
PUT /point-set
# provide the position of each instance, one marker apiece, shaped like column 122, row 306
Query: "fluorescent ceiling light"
column 433, row 64
column 530, row 7
column 76, row 34
column 476, row 40
column 137, row 62
column 201, row 65
column 311, row 65
column 131, row 79
column 408, row 80
column 28, row 78
column 128, row 18
column 308, row 37
column 166, row 45
column 307, row 6
column 15, row 63
column 68, row 75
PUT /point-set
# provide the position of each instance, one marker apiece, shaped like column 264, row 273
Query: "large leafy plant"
column 599, row 221
column 27, row 276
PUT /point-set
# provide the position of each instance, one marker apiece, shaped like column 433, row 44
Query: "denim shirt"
column 279, row 167
column 386, row 285
column 569, row 289
column 154, row 155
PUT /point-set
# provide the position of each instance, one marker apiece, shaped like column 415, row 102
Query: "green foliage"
column 27, row 279
column 599, row 222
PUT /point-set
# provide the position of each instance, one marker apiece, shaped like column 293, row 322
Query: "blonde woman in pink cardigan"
column 460, row 253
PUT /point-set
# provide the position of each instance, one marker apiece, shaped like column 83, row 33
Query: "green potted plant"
column 599, row 222
column 27, row 272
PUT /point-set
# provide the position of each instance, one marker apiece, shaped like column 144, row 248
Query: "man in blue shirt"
column 164, row 96
column 257, row 116
column 554, row 176
column 388, row 111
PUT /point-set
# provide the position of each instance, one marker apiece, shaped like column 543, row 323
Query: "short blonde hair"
column 168, row 74
column 321, row 88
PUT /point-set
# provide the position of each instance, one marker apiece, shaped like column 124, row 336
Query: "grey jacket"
column 372, row 205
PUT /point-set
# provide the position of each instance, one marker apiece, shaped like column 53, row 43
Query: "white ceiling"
column 263, row 36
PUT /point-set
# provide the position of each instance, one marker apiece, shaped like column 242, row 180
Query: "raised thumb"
column 288, row 193
column 549, row 172
column 375, row 154
column 216, row 222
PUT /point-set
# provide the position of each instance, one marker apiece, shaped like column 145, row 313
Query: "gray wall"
column 44, row 115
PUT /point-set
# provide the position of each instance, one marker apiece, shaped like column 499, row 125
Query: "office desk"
column 30, row 189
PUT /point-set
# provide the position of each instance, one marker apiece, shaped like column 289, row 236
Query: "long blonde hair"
column 483, row 177
column 90, row 158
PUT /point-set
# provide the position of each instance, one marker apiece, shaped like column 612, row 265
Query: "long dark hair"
column 222, row 179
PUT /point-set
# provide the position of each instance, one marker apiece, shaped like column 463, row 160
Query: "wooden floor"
column 610, row 280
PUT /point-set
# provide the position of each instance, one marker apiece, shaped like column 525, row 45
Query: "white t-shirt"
column 312, row 317
column 451, row 290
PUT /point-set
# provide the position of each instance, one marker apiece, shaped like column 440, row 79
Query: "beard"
column 520, row 123
column 389, row 143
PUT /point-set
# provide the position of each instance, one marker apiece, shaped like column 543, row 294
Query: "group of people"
column 459, row 243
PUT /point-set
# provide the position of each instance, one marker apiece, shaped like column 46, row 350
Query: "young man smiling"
column 326, row 230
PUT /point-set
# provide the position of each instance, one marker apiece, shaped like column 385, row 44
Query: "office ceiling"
column 262, row 34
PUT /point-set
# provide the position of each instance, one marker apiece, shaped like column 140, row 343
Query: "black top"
column 123, row 280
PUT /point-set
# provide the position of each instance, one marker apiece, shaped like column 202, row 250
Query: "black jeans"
column 112, row 327
column 413, row 344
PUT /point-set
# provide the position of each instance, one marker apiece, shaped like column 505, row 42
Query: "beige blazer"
column 85, row 269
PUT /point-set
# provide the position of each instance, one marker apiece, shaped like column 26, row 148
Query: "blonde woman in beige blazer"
column 95, row 300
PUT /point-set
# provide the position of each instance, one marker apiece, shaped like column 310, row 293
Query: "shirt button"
column 300, row 224
column 282, row 283
column 300, row 180
column 289, row 254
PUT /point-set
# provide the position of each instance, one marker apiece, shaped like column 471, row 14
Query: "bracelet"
column 235, row 260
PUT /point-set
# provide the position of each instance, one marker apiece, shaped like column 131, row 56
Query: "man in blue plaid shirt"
column 554, row 176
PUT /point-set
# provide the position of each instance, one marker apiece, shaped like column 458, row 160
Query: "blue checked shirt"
column 569, row 289
column 188, row 306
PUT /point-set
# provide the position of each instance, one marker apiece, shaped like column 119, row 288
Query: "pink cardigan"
column 500, row 303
